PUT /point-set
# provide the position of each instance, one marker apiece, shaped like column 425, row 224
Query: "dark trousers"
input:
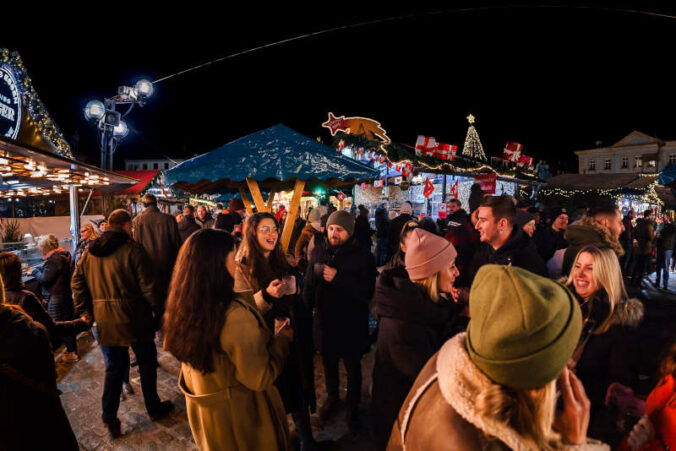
column 117, row 365
column 642, row 261
column 106, row 355
column 60, row 308
column 353, row 367
column 663, row 261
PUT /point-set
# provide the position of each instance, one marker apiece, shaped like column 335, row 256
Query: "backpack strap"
column 403, row 427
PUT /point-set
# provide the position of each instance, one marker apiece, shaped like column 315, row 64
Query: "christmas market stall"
column 275, row 160
column 37, row 169
column 430, row 172
column 638, row 192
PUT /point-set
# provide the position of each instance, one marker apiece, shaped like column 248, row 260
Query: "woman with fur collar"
column 495, row 386
column 608, row 348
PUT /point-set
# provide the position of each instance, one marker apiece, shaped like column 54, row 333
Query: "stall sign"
column 10, row 104
column 487, row 182
column 442, row 210
column 340, row 196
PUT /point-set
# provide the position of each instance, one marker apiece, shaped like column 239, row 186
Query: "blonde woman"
column 495, row 386
column 608, row 349
column 87, row 235
column 414, row 319
column 54, row 278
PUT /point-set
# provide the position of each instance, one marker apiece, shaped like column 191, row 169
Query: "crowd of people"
column 505, row 326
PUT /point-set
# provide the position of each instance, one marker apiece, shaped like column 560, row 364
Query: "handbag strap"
column 27, row 381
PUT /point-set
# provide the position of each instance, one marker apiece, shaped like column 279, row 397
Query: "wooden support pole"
column 271, row 198
column 245, row 200
column 293, row 213
column 256, row 195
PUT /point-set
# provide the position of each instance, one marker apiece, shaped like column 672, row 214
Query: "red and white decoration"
column 454, row 189
column 427, row 146
column 512, row 152
column 341, row 197
column 429, row 188
column 526, row 162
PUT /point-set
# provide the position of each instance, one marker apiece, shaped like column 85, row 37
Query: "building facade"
column 161, row 164
column 636, row 153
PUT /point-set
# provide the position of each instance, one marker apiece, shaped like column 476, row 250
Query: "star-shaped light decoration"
column 471, row 119
column 335, row 124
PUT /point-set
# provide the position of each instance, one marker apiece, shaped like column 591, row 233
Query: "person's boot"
column 162, row 411
column 127, row 389
column 114, row 429
column 328, row 408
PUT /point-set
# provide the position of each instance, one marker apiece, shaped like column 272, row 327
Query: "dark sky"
column 553, row 79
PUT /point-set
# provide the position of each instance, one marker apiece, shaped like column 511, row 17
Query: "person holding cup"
column 264, row 269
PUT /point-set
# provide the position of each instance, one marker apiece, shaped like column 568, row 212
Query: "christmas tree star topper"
column 471, row 118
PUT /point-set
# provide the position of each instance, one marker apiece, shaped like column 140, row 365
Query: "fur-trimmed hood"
column 460, row 381
column 588, row 231
column 629, row 313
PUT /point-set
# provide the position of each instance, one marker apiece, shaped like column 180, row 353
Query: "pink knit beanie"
column 427, row 254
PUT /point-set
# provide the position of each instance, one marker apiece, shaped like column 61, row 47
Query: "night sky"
column 553, row 79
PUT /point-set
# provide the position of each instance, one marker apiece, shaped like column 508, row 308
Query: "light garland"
column 473, row 146
column 36, row 110
column 649, row 195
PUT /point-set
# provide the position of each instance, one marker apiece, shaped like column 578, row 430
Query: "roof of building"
column 602, row 181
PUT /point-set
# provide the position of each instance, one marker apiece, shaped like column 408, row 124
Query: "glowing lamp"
column 144, row 88
column 121, row 130
column 94, row 110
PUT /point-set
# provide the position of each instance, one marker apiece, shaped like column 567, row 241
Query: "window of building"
column 166, row 165
column 145, row 166
column 625, row 162
column 606, row 164
column 155, row 166
column 638, row 162
column 672, row 159
column 592, row 165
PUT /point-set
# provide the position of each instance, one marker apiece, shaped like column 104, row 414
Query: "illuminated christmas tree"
column 473, row 147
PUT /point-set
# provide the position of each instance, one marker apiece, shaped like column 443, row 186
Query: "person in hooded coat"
column 414, row 319
column 187, row 226
column 362, row 229
column 405, row 215
column 54, row 278
column 31, row 414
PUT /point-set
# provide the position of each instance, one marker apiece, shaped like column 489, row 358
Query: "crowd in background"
column 502, row 325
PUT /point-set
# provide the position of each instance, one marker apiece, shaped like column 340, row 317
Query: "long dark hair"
column 262, row 270
column 10, row 270
column 200, row 293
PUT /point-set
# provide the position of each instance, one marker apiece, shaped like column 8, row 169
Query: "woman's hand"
column 573, row 421
column 275, row 289
column 283, row 327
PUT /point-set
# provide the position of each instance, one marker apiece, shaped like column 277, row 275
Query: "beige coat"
column 237, row 407
column 440, row 411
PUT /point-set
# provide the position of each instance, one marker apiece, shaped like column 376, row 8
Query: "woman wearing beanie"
column 264, row 270
column 414, row 319
column 495, row 386
column 608, row 350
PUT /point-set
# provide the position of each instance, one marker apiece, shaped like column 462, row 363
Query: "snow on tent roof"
column 275, row 157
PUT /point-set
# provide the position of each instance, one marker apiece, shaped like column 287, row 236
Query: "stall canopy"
column 275, row 159
column 668, row 176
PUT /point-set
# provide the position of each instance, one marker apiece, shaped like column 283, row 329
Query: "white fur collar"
column 460, row 380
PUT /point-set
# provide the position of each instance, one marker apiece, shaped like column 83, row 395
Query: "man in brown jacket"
column 158, row 233
column 113, row 283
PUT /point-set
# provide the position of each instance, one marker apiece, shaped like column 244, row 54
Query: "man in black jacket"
column 550, row 239
column 502, row 242
column 339, row 282
column 188, row 226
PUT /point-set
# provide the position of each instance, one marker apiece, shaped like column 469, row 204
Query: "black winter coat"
column 612, row 356
column 548, row 241
column 30, row 304
column 54, row 275
column 341, row 306
column 363, row 232
column 31, row 416
column 519, row 250
column 187, row 227
column 412, row 329
column 382, row 223
column 396, row 225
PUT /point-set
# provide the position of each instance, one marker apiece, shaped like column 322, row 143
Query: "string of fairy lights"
column 648, row 196
column 37, row 112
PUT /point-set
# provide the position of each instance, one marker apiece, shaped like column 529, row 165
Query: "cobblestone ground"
column 82, row 386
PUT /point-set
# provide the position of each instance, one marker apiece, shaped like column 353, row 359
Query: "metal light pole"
column 109, row 121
